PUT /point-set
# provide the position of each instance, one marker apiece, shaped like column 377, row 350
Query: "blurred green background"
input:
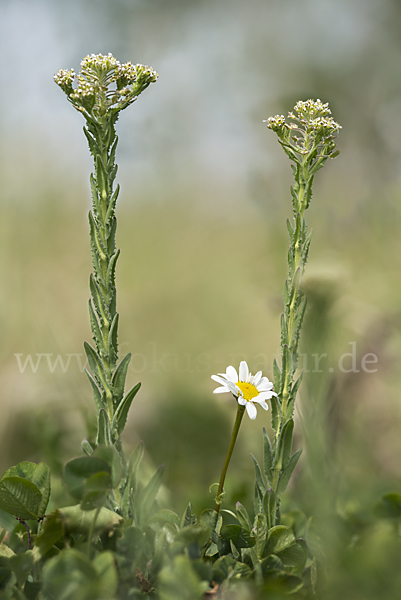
column 205, row 195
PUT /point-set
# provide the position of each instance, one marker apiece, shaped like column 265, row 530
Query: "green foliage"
column 25, row 490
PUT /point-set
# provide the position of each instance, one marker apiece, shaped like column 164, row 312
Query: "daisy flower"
column 248, row 389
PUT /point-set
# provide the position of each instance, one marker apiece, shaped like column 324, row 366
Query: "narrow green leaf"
column 131, row 488
column 260, row 532
column 96, row 238
column 112, row 204
column 188, row 518
column 113, row 345
column 287, row 472
column 258, row 475
column 111, row 272
column 104, row 430
column 267, row 457
column 270, row 507
column 95, row 328
column 121, row 414
column 290, row 230
column 243, row 517
column 296, row 385
column 284, row 445
column 99, row 302
column 284, row 331
column 277, row 415
column 119, row 377
column 298, row 323
column 96, row 392
column 96, row 366
column 276, row 376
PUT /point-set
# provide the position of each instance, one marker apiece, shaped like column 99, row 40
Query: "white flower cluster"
column 64, row 78
column 312, row 107
column 104, row 83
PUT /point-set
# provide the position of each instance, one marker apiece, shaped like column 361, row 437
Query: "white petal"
column 256, row 378
column 219, row 379
column 221, row 390
column 264, row 405
column 264, row 385
column 243, row 371
column 264, row 396
column 242, row 401
column 232, row 374
column 251, row 410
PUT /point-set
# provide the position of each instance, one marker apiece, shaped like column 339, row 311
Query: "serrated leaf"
column 287, row 472
column 120, row 376
column 121, row 414
column 95, row 328
column 258, row 475
column 96, row 366
column 296, row 385
column 284, row 445
column 298, row 323
column 276, row 376
column 25, row 490
column 284, row 331
column 290, row 230
column 113, row 344
column 188, row 518
column 260, row 532
column 277, row 415
column 211, row 518
column 96, row 392
column 111, row 270
column 99, row 301
column 20, row 497
column 267, row 457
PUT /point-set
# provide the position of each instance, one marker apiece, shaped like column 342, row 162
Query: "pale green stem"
column 238, row 419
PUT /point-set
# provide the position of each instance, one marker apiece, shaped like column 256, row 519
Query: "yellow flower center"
column 248, row 390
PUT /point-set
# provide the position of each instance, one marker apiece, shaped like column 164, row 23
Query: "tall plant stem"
column 237, row 423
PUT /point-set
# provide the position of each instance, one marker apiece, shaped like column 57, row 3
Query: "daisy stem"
column 238, row 419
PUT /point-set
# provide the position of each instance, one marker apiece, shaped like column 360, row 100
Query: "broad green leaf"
column 121, row 414
column 179, row 580
column 130, row 546
column 39, row 476
column 6, row 551
column 52, row 531
column 110, row 456
column 95, row 490
column 211, row 518
column 107, row 577
column 166, row 516
column 21, row 565
column 294, row 558
column 76, row 520
column 78, row 470
column 20, row 497
column 280, row 538
column 7, row 521
column 239, row 536
column 148, row 495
